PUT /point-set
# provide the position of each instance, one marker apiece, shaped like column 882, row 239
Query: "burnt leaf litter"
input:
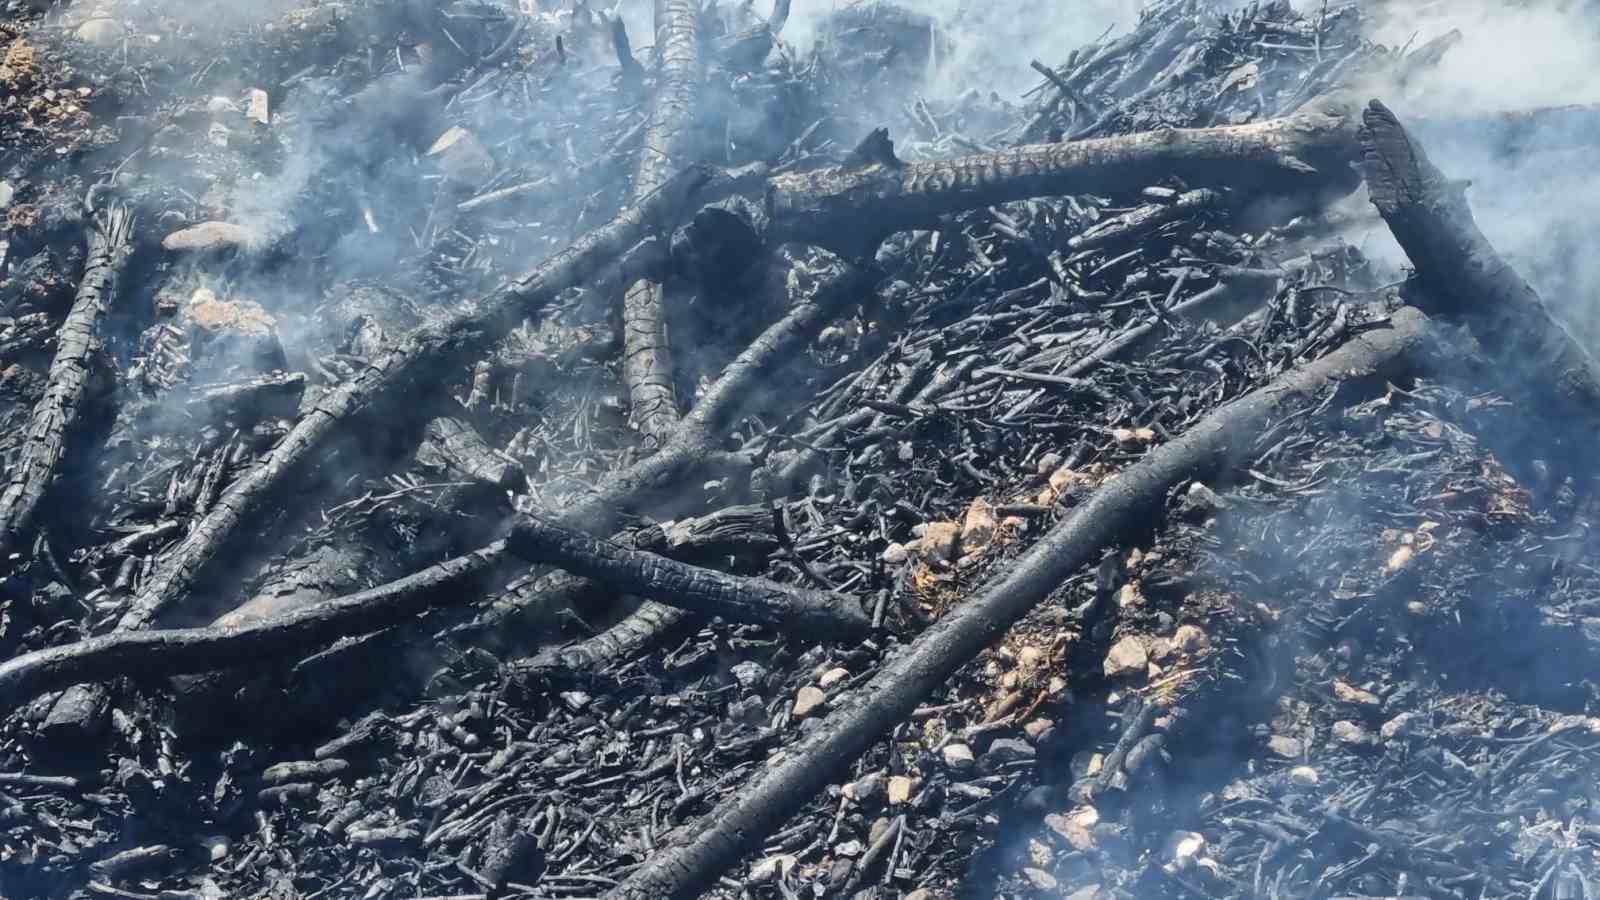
column 1353, row 663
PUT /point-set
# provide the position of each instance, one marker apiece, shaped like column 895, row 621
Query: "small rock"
column 850, row 849
column 1184, row 847
column 979, row 527
column 958, row 756
column 257, row 109
column 1039, row 853
column 866, row 788
column 832, row 677
column 1127, row 657
column 773, row 867
column 464, row 161
column 101, row 32
column 1347, row 732
column 919, row 894
column 895, row 554
column 7, row 194
column 750, row 674
column 941, row 540
column 1304, row 776
column 1190, row 639
column 1029, row 657
column 1286, row 747
column 1038, row 729
column 209, row 236
column 1200, row 503
column 808, row 701
column 1005, row 750
column 220, row 105
column 899, row 789
column 218, row 135
column 1347, row 693
column 1075, row 827
column 1396, row 726
column 1128, row 595
column 1087, row 892
column 1048, row 463
column 1040, row 879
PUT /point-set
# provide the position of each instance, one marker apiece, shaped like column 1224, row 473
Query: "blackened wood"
column 647, row 357
column 1462, row 276
column 57, row 412
column 848, row 209
column 1120, row 508
column 148, row 654
column 818, row 615
column 732, row 530
column 453, row 448
column 393, row 376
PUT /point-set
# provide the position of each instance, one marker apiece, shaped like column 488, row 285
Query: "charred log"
column 1462, row 276
column 1117, row 510
column 755, row 600
column 58, row 411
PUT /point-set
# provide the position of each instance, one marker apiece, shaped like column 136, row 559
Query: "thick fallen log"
column 153, row 654
column 1461, row 276
column 647, row 356
column 57, row 412
column 393, row 375
column 849, row 208
column 759, row 601
column 1120, row 509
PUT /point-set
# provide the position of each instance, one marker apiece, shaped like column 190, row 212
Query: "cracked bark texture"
column 394, row 376
column 848, row 209
column 149, row 654
column 818, row 615
column 1121, row 507
column 1462, row 276
column 56, row 414
column 647, row 355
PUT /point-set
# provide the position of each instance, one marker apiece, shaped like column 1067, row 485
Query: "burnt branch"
column 58, row 411
column 1120, row 508
column 758, row 601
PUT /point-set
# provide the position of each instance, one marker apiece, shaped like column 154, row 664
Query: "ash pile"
column 484, row 450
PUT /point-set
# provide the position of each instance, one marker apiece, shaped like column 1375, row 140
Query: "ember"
column 496, row 450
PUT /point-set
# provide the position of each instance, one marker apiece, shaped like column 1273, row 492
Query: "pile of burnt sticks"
column 864, row 625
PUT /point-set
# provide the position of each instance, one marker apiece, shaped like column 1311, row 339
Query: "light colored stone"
column 979, row 527
column 832, row 677
column 1396, row 726
column 1074, row 827
column 1286, row 747
column 1087, row 892
column 1190, row 639
column 1040, row 879
column 101, row 32
column 899, row 789
column 1038, row 728
column 941, row 540
column 1128, row 596
column 866, row 788
column 220, row 105
column 1348, row 693
column 895, row 554
column 808, row 701
column 257, row 108
column 1347, row 732
column 209, row 236
column 773, row 867
column 1029, row 657
column 1039, row 853
column 1127, row 658
column 1184, row 847
column 1048, row 463
column 958, row 756
column 919, row 894
column 7, row 194
column 1304, row 776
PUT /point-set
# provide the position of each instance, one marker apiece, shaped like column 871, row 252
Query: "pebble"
column 808, row 701
column 958, row 756
column 257, row 109
column 7, row 194
column 1040, row 879
column 208, row 236
column 1348, row 732
column 1184, row 847
column 832, row 677
column 899, row 790
column 772, row 867
column 1286, row 747
column 1038, row 729
column 1127, row 657
column 1347, row 693
column 1005, row 750
column 1087, row 892
column 1396, row 726
column 850, row 849
column 1305, row 776
column 749, row 674
column 895, row 554
column 101, row 32
column 1074, row 827
column 1190, row 639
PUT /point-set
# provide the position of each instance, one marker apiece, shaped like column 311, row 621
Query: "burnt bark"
column 150, row 654
column 1120, row 508
column 452, row 447
column 394, row 375
column 647, row 355
column 1461, row 276
column 847, row 209
column 57, row 412
column 758, row 601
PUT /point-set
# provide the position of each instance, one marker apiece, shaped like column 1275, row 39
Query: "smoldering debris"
column 339, row 557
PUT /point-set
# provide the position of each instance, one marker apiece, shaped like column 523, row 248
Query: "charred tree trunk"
column 848, row 208
column 647, row 357
column 58, row 410
column 1461, row 275
column 1120, row 508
